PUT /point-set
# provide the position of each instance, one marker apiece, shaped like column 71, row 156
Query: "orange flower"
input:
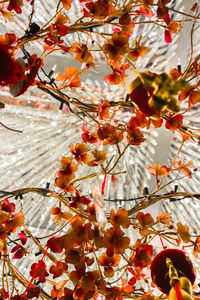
column 68, row 167
column 196, row 250
column 135, row 137
column 174, row 74
column 120, row 218
column 143, row 256
column 157, row 170
column 184, row 167
column 138, row 51
column 112, row 293
column 80, row 232
column 109, row 260
column 80, row 151
column 110, row 135
column 58, row 289
column 145, row 219
column 56, row 244
column 70, row 78
column 17, row 220
column 59, row 215
column 146, row 11
column 74, row 256
column 116, row 47
column 83, row 55
column 99, row 9
column 194, row 96
column 103, row 112
column 183, row 231
column 164, row 218
column 139, row 120
column 118, row 75
column 62, row 180
column 99, row 158
column 115, row 239
column 89, row 279
column 58, row 269
column 66, row 174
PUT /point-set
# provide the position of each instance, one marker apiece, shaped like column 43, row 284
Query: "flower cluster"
column 92, row 252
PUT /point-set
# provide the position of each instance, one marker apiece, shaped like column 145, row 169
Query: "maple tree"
column 93, row 252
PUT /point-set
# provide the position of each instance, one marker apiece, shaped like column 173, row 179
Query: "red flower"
column 19, row 251
column 87, row 136
column 39, row 270
column 8, row 206
column 174, row 121
column 3, row 294
column 33, row 291
column 78, row 200
column 61, row 29
column 56, row 244
column 15, row 5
